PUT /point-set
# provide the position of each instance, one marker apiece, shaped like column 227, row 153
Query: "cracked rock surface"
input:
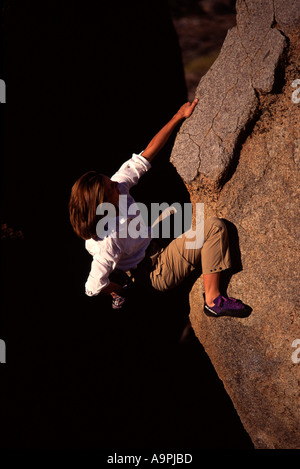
column 228, row 94
column 239, row 153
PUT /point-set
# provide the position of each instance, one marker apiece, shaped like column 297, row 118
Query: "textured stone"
column 247, row 130
column 287, row 14
column 228, row 93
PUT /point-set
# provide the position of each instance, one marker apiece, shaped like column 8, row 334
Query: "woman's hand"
column 162, row 136
column 187, row 109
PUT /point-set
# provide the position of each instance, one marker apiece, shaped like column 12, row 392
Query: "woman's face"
column 111, row 191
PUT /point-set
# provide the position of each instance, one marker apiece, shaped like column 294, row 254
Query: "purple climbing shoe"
column 226, row 306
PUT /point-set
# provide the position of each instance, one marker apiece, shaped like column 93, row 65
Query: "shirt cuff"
column 89, row 292
column 138, row 156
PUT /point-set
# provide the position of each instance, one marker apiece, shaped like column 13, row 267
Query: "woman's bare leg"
column 211, row 287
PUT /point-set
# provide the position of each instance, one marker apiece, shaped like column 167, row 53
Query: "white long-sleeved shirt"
column 118, row 249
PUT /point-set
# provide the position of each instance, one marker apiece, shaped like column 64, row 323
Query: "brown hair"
column 86, row 194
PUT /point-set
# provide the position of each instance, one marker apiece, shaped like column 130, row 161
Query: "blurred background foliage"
column 201, row 27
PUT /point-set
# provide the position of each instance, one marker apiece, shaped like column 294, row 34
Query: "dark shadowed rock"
column 239, row 154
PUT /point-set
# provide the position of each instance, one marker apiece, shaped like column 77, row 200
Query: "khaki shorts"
column 165, row 268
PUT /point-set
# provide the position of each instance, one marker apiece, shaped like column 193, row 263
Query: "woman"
column 116, row 250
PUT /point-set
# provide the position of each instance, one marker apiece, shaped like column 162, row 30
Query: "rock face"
column 239, row 153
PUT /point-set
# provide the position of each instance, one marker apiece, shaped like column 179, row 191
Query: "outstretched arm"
column 160, row 139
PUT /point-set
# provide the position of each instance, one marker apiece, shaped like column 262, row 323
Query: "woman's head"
column 87, row 193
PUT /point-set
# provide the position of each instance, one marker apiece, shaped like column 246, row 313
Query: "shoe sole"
column 228, row 312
